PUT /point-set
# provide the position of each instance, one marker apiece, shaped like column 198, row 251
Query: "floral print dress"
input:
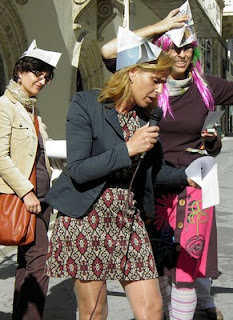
column 110, row 241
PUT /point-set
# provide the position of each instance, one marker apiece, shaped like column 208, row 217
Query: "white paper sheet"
column 211, row 119
column 56, row 149
column 133, row 49
column 204, row 172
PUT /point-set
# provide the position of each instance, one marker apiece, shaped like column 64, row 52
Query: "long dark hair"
column 27, row 64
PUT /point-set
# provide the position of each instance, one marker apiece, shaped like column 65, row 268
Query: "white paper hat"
column 186, row 34
column 133, row 49
column 48, row 57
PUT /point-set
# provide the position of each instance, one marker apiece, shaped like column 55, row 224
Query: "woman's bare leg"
column 145, row 299
column 87, row 293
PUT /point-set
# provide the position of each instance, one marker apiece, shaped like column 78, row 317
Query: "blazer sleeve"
column 82, row 165
column 170, row 176
column 164, row 174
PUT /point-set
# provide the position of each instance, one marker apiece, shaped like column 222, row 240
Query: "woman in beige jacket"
column 20, row 150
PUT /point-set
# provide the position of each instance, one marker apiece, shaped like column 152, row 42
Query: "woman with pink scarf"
column 187, row 248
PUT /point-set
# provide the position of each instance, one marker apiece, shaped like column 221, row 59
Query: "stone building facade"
column 78, row 29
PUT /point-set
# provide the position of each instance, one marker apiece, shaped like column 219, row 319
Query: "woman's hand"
column 32, row 203
column 109, row 50
column 143, row 140
column 212, row 133
column 171, row 21
column 193, row 184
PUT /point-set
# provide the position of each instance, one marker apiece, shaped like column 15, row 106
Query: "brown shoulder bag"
column 17, row 225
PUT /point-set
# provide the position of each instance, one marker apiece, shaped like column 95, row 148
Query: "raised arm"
column 108, row 50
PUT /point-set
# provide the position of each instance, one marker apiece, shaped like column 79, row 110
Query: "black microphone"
column 155, row 117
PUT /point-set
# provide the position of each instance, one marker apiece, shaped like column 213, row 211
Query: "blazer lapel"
column 112, row 119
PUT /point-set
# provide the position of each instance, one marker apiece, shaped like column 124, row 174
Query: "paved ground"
column 61, row 304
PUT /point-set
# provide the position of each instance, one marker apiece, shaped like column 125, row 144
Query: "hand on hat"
column 172, row 20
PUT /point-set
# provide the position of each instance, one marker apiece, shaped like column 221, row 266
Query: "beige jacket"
column 18, row 146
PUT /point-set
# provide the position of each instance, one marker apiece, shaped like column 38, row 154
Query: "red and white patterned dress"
column 110, row 241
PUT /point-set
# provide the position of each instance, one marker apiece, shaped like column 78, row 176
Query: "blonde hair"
column 117, row 88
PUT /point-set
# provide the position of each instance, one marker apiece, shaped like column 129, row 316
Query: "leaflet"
column 211, row 119
column 204, row 172
column 56, row 149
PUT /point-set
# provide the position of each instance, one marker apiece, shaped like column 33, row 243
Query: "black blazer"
column 95, row 149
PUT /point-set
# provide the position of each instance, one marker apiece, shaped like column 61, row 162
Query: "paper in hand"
column 211, row 119
column 56, row 149
column 204, row 172
column 186, row 34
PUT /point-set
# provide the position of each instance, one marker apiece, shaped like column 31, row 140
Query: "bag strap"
column 36, row 124
column 33, row 174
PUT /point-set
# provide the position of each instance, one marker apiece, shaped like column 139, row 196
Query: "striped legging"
column 183, row 303
column 178, row 304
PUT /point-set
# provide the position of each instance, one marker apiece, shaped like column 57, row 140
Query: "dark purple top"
column 184, row 130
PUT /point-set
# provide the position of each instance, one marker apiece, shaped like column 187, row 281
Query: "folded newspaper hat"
column 133, row 49
column 49, row 57
column 186, row 34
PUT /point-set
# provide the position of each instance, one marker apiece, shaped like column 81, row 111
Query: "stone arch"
column 13, row 39
column 2, row 77
column 90, row 67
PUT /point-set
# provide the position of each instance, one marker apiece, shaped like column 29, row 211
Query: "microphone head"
column 156, row 114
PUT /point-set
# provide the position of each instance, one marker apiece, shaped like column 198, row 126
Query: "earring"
column 131, row 80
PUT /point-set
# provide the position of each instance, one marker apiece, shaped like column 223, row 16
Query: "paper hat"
column 48, row 57
column 186, row 34
column 133, row 49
